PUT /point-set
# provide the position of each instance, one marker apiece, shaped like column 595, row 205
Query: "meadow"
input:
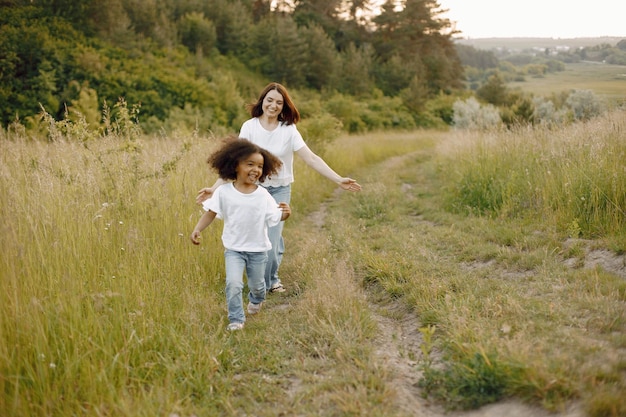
column 605, row 80
column 107, row 309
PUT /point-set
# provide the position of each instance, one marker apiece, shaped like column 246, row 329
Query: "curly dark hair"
column 290, row 113
column 233, row 151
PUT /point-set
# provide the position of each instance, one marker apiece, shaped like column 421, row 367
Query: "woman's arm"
column 318, row 164
column 205, row 193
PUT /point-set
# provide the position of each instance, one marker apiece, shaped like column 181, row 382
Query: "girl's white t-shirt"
column 246, row 217
column 282, row 142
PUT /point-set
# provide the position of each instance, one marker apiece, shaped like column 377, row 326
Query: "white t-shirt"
column 282, row 142
column 246, row 217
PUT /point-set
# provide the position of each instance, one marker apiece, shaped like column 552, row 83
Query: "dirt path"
column 397, row 347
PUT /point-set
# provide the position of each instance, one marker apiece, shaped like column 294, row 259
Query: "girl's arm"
column 207, row 192
column 204, row 222
column 318, row 164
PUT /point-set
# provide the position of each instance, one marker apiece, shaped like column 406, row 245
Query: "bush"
column 320, row 130
column 469, row 114
column 546, row 113
column 584, row 104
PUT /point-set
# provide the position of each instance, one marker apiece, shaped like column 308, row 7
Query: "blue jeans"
column 275, row 255
column 254, row 265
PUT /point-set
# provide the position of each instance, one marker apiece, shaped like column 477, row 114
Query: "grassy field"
column 607, row 81
column 107, row 309
column 521, row 44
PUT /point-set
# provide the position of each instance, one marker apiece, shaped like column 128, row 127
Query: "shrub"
column 469, row 114
column 546, row 113
column 584, row 104
column 320, row 130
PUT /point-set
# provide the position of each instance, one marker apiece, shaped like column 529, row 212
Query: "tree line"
column 204, row 56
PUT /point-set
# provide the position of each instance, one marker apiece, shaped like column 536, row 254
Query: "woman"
column 273, row 127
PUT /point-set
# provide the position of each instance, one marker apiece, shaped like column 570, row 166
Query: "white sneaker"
column 278, row 287
column 234, row 326
column 254, row 308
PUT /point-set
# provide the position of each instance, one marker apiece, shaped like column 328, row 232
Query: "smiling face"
column 273, row 104
column 250, row 169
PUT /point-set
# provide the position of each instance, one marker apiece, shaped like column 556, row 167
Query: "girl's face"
column 250, row 169
column 272, row 104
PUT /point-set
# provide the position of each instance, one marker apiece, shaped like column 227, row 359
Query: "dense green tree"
column 355, row 78
column 77, row 12
column 494, row 91
column 134, row 49
column 152, row 19
column 277, row 50
column 343, row 20
column 393, row 75
column 476, row 58
column 112, row 22
column 322, row 58
column 35, row 61
column 322, row 13
column 416, row 33
column 415, row 95
column 233, row 24
column 197, row 33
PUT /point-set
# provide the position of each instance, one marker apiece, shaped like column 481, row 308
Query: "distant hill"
column 527, row 43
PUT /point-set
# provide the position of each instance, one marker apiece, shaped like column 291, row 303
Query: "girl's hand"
column 284, row 207
column 349, row 184
column 195, row 237
column 204, row 194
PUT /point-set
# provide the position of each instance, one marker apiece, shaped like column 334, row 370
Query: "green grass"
column 107, row 309
column 607, row 81
column 510, row 317
column 573, row 175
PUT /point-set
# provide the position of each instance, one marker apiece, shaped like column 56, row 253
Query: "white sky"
column 537, row 18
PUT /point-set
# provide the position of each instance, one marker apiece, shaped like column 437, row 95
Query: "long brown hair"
column 289, row 114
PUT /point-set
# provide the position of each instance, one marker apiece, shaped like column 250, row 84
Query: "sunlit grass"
column 607, row 81
column 496, row 286
column 107, row 309
column 575, row 176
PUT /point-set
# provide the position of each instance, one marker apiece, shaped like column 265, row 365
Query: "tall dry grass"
column 574, row 175
column 101, row 292
column 475, row 236
column 105, row 306
column 107, row 309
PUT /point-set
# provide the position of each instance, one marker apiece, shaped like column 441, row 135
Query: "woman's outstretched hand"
column 204, row 194
column 349, row 184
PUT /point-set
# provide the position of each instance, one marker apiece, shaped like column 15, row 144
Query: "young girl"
column 273, row 127
column 247, row 210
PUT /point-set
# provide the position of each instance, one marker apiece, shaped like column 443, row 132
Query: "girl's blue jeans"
column 253, row 263
column 275, row 255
